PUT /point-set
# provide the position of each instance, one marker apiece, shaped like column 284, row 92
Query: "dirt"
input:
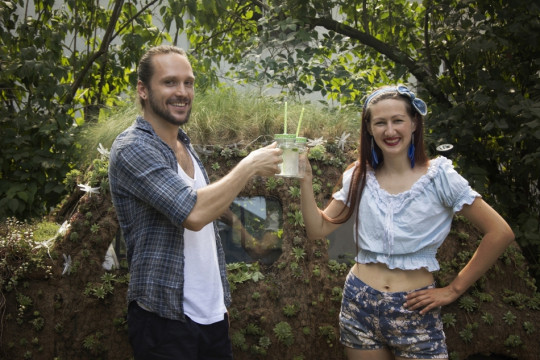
column 69, row 319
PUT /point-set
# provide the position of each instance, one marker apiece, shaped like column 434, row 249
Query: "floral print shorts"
column 372, row 319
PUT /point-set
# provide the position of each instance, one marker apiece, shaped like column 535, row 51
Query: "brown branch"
column 131, row 19
column 103, row 49
column 421, row 73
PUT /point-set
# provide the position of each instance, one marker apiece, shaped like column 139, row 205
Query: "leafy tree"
column 476, row 62
column 60, row 63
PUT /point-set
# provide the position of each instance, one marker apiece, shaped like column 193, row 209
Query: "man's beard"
column 165, row 114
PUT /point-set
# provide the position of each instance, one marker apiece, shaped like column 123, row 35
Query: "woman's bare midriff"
column 381, row 278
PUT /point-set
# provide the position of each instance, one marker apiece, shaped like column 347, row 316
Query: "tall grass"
column 226, row 116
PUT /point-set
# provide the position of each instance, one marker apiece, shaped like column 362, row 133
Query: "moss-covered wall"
column 52, row 311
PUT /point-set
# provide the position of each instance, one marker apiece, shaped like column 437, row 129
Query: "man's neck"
column 166, row 131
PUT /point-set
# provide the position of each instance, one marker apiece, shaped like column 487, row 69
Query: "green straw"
column 299, row 122
column 285, row 120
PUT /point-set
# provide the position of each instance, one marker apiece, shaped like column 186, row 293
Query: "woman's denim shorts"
column 372, row 320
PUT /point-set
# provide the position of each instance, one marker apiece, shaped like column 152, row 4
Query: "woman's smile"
column 393, row 141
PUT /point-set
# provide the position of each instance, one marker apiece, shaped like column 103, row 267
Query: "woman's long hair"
column 365, row 158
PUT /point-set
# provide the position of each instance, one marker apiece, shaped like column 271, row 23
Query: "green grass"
column 45, row 230
column 226, row 116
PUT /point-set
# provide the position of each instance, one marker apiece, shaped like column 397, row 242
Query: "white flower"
column 341, row 141
column 103, row 151
column 64, row 228
column 88, row 189
column 67, row 264
column 315, row 142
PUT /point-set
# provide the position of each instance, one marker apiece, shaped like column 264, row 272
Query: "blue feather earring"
column 410, row 153
column 374, row 157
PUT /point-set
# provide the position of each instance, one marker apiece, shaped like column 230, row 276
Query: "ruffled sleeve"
column 453, row 189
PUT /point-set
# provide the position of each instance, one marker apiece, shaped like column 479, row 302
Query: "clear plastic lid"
column 285, row 137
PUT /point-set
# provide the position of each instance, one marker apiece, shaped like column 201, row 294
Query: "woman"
column 403, row 203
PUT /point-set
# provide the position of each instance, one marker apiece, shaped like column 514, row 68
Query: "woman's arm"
column 497, row 236
column 317, row 226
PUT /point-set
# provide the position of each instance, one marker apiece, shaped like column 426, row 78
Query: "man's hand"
column 265, row 161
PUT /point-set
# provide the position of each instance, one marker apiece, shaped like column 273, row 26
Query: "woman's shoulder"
column 439, row 166
column 444, row 174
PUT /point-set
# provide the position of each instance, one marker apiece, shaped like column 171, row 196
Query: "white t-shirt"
column 203, row 291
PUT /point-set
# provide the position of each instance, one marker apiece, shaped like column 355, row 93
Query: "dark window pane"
column 251, row 230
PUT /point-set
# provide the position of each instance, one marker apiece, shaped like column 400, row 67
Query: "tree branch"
column 421, row 73
column 103, row 49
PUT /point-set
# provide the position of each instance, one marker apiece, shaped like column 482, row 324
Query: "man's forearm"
column 214, row 199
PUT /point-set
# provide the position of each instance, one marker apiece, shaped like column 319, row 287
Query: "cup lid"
column 285, row 136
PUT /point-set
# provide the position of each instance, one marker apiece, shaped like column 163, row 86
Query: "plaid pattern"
column 152, row 201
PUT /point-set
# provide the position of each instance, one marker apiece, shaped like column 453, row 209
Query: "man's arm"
column 214, row 199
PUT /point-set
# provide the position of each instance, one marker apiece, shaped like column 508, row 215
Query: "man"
column 178, row 292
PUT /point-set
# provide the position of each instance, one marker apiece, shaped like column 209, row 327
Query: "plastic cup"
column 287, row 143
column 301, row 145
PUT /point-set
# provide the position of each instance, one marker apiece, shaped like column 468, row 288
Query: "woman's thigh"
column 380, row 354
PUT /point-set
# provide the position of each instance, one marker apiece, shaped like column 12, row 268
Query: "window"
column 251, row 230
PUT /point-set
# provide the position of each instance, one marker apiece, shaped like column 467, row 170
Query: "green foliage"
column 475, row 62
column 483, row 296
column 264, row 342
column 522, row 301
column 513, row 341
column 38, row 322
column 272, row 183
column 509, row 318
column 317, row 152
column 45, row 230
column 93, row 344
column 55, row 84
column 449, row 320
column 529, row 327
column 284, row 334
column 468, row 303
column 488, row 109
column 21, row 254
column 238, row 340
column 253, row 329
column 290, row 310
column 294, row 192
column 296, row 270
column 467, row 334
column 299, row 253
column 106, row 287
column 240, row 272
column 338, row 268
column 328, row 333
column 336, row 294
column 295, row 217
column 487, row 318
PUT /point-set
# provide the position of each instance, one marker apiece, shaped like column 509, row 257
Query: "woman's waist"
column 380, row 277
column 421, row 258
